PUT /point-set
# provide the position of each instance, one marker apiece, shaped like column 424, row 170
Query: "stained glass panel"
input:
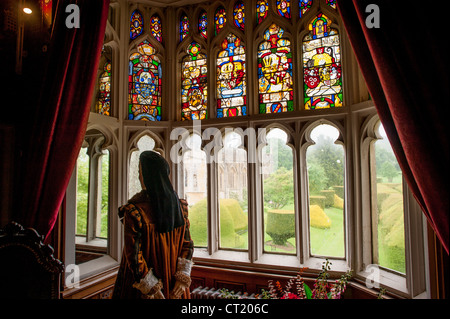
column 332, row 3
column 322, row 65
column 305, row 5
column 156, row 28
column 220, row 19
column 275, row 72
column 203, row 24
column 184, row 27
column 144, row 84
column 194, row 84
column 104, row 90
column 136, row 24
column 239, row 15
column 284, row 8
column 231, row 80
column 262, row 8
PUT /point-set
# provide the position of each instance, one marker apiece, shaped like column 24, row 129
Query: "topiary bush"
column 233, row 220
column 280, row 225
column 318, row 218
column 329, row 197
column 338, row 202
column 317, row 200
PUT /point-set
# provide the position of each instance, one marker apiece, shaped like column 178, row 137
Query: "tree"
column 279, row 188
column 389, row 171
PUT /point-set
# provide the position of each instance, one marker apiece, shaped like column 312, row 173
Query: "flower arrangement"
column 296, row 288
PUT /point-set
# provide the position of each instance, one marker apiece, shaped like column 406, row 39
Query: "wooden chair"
column 28, row 269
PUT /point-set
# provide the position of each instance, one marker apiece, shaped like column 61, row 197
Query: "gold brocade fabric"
column 145, row 248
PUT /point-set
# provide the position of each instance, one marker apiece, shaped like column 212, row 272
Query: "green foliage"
column 317, row 178
column 388, row 170
column 391, row 240
column 198, row 223
column 280, row 225
column 317, row 200
column 330, row 157
column 279, row 188
column 329, row 197
column 232, row 221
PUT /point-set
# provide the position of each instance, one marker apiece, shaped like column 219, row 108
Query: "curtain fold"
column 62, row 112
column 405, row 69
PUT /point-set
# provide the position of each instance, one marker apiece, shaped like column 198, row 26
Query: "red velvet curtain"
column 405, row 65
column 62, row 112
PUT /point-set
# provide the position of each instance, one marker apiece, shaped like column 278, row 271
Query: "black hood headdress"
column 163, row 198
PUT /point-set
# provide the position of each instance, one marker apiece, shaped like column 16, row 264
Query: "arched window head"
column 156, row 28
column 231, row 80
column 136, row 24
column 104, row 90
column 220, row 19
column 305, row 5
column 239, row 15
column 184, row 27
column 284, row 8
column 203, row 25
column 262, row 9
column 194, row 84
column 144, row 84
column 322, row 72
column 275, row 72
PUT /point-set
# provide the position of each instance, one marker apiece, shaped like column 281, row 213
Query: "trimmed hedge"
column 318, row 218
column 317, row 200
column 232, row 220
column 338, row 202
column 280, row 225
column 329, row 197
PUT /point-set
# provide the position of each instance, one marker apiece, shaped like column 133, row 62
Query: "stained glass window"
column 284, row 8
column 184, row 27
column 332, row 3
column 203, row 24
column 144, row 84
column 156, row 28
column 136, row 24
column 220, row 19
column 231, row 81
column 322, row 65
column 194, row 84
column 275, row 72
column 104, row 90
column 239, row 15
column 262, row 8
column 305, row 5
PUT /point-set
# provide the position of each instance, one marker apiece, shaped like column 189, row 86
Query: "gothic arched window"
column 136, row 24
column 156, row 28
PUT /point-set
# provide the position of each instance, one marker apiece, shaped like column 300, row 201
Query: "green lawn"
column 329, row 242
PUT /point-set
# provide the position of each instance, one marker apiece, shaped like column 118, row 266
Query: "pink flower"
column 290, row 295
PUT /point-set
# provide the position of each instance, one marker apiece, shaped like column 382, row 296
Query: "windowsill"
column 393, row 282
column 288, row 263
column 96, row 266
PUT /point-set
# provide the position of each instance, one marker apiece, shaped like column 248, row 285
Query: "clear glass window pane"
column 278, row 190
column 233, row 204
column 103, row 190
column 82, row 192
column 390, row 239
column 325, row 164
column 195, row 190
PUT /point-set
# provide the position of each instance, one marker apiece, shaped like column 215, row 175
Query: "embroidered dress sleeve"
column 144, row 278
